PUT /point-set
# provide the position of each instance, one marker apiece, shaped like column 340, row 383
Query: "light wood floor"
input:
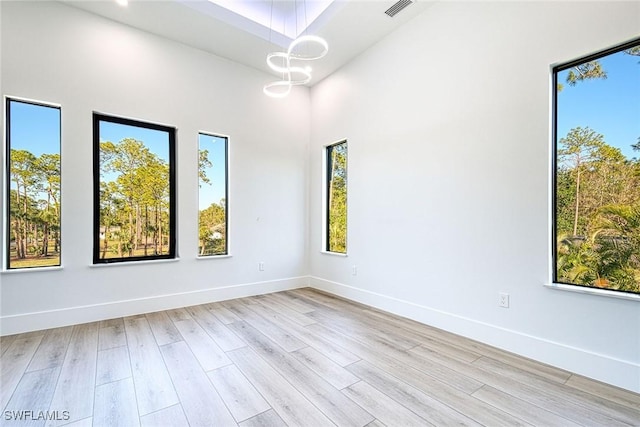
column 296, row 358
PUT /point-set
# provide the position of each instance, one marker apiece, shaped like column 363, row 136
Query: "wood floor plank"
column 369, row 349
column 173, row 416
column 280, row 336
column 434, row 346
column 201, row 403
column 163, row 328
column 208, row 353
column 444, row 392
column 593, row 403
column 13, row 364
column 113, row 365
column 327, row 369
column 112, row 336
column 376, row 423
column 115, row 404
column 427, row 407
column 75, row 389
column 7, row 340
column 329, row 348
column 223, row 314
column 291, row 299
column 266, row 419
column 85, row 422
column 242, row 399
column 222, row 336
column 383, row 407
column 178, row 314
column 33, row 393
column 536, row 396
column 52, row 349
column 288, row 402
column 370, row 332
column 153, row 386
column 433, row 335
column 284, row 310
column 116, row 321
column 606, row 391
column 532, row 414
column 323, row 395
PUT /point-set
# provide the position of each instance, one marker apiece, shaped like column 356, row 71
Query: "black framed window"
column 212, row 196
column 33, row 184
column 596, row 181
column 134, row 190
column 336, row 198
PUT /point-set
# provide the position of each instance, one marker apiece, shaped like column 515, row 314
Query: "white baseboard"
column 26, row 322
column 621, row 373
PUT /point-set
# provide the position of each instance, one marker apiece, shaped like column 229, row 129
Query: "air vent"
column 397, row 7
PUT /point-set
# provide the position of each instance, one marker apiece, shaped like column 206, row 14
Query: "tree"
column 203, row 164
column 22, row 174
column 579, row 147
column 337, row 199
column 212, row 229
column 587, row 71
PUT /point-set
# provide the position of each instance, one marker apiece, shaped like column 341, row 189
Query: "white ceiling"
column 349, row 26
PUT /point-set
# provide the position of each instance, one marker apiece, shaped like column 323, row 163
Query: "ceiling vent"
column 398, row 6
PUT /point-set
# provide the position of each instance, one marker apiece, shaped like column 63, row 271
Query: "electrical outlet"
column 354, row 270
column 503, row 300
column 261, row 266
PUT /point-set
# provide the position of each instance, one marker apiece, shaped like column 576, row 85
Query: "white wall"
column 447, row 121
column 55, row 53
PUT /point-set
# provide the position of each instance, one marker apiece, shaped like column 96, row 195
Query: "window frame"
column 171, row 135
column 328, row 149
column 6, row 211
column 226, row 193
column 555, row 70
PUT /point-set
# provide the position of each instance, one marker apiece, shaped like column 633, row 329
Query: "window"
column 336, row 198
column 134, row 190
column 33, row 184
column 212, row 175
column 596, row 228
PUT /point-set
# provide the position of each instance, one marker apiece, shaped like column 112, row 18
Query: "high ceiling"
column 349, row 26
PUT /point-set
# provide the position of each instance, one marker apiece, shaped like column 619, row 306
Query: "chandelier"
column 289, row 64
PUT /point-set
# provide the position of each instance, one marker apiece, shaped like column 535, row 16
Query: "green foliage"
column 337, row 199
column 587, row 71
column 212, row 231
column 34, row 209
column 134, row 200
column 597, row 213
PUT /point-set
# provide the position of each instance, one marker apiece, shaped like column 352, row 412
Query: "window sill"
column 208, row 257
column 334, row 253
column 129, row 263
column 31, row 270
column 593, row 291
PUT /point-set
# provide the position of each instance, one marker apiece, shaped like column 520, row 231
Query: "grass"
column 34, row 261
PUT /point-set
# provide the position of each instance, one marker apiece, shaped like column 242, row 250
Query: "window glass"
column 34, row 202
column 336, row 204
column 134, row 190
column 597, row 170
column 212, row 216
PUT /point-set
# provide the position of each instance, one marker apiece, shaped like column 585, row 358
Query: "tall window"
column 336, row 198
column 134, row 190
column 596, row 240
column 33, row 184
column 212, row 216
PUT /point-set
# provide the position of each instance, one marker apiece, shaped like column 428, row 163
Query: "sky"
column 35, row 128
column 215, row 190
column 609, row 106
